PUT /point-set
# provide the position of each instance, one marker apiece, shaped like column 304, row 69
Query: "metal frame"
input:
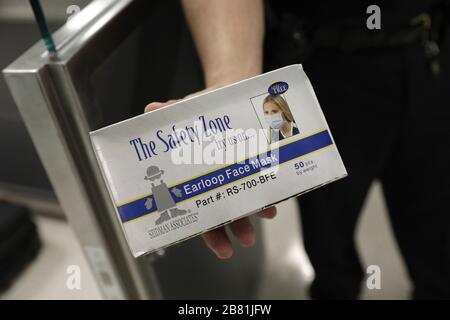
column 50, row 98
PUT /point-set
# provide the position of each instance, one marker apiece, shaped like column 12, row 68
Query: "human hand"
column 217, row 240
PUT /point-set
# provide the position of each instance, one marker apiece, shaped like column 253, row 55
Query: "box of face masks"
column 205, row 161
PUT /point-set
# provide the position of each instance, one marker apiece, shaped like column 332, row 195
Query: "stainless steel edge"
column 48, row 99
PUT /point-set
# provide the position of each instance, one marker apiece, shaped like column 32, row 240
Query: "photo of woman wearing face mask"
column 279, row 118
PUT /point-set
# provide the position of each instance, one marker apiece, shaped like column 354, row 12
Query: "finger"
column 158, row 105
column 268, row 213
column 153, row 106
column 244, row 231
column 218, row 241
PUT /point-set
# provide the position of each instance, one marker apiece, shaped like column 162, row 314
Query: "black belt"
column 351, row 40
column 426, row 28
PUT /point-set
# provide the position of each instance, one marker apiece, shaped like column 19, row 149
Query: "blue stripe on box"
column 284, row 153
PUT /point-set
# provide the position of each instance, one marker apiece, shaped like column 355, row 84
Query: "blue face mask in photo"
column 275, row 121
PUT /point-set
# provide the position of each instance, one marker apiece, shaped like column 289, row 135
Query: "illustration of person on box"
column 279, row 118
column 165, row 202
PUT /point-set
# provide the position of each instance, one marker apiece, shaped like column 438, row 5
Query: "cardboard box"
column 205, row 161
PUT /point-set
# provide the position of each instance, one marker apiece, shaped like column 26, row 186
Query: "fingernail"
column 224, row 254
column 249, row 241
